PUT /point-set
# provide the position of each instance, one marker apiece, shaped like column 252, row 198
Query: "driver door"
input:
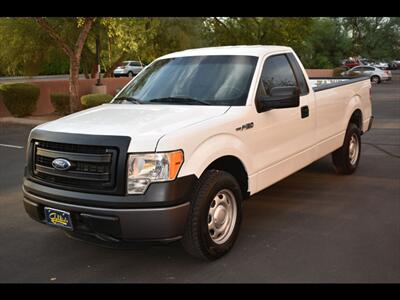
column 282, row 138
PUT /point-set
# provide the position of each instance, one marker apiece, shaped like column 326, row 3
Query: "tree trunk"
column 110, row 70
column 74, row 100
column 74, row 53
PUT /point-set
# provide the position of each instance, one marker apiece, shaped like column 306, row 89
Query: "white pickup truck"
column 179, row 148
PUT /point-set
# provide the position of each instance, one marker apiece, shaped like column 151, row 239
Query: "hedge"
column 20, row 98
column 92, row 100
column 60, row 103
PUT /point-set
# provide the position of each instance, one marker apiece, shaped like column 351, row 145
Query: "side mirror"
column 281, row 97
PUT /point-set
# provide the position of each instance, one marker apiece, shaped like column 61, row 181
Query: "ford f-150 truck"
column 178, row 149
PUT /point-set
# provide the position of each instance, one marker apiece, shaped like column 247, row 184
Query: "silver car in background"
column 128, row 68
column 376, row 75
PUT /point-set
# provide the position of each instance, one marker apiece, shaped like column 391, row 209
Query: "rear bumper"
column 132, row 224
column 121, row 75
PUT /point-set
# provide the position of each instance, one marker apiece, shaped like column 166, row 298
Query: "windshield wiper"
column 127, row 98
column 182, row 100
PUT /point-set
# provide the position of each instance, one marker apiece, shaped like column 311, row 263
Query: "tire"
column 344, row 162
column 198, row 240
column 130, row 74
column 375, row 79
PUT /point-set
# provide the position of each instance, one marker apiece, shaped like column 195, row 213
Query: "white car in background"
column 376, row 74
column 128, row 68
column 382, row 65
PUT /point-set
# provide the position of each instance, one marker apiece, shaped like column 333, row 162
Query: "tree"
column 73, row 51
column 174, row 34
column 124, row 37
column 147, row 38
column 327, row 45
column 373, row 37
column 25, row 49
column 320, row 42
column 291, row 32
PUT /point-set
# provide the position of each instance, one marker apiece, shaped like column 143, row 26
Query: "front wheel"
column 215, row 216
column 346, row 158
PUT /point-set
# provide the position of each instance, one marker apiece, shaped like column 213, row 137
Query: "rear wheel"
column 130, row 74
column 346, row 158
column 215, row 216
column 375, row 79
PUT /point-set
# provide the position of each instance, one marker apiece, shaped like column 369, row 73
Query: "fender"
column 214, row 147
column 356, row 103
column 353, row 105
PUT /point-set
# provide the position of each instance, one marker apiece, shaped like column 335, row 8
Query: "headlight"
column 145, row 168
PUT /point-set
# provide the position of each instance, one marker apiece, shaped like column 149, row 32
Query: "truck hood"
column 145, row 124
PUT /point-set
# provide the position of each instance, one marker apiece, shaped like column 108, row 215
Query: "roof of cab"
column 253, row 50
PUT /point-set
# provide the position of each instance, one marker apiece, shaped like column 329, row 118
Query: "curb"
column 22, row 121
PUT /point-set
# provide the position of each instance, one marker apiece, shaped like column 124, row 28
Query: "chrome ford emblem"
column 61, row 164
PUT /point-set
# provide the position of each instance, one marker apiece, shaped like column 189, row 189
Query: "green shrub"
column 92, row 100
column 20, row 98
column 337, row 71
column 60, row 103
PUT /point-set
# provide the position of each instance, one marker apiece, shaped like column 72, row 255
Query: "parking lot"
column 314, row 226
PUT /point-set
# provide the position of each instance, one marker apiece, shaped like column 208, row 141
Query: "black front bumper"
column 158, row 215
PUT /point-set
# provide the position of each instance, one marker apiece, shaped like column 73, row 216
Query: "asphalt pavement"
column 314, row 226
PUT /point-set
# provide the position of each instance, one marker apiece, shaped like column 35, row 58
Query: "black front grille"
column 87, row 149
column 92, row 167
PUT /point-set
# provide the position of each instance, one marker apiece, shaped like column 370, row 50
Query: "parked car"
column 128, row 68
column 382, row 65
column 376, row 74
column 351, row 63
column 393, row 66
column 364, row 62
column 178, row 149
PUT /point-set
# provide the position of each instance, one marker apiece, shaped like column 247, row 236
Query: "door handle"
column 305, row 112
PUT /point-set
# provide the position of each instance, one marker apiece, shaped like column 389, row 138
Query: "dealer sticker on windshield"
column 58, row 218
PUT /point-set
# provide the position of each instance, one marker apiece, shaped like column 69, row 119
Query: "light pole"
column 98, row 61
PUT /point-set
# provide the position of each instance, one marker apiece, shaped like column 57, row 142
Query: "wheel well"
column 356, row 118
column 234, row 166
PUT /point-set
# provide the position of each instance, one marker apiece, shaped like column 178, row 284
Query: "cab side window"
column 276, row 72
column 298, row 72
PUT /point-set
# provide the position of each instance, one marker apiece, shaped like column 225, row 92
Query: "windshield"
column 199, row 80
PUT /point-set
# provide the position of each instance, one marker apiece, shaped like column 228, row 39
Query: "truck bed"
column 323, row 83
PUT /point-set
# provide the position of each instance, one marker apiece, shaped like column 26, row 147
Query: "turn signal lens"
column 175, row 162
